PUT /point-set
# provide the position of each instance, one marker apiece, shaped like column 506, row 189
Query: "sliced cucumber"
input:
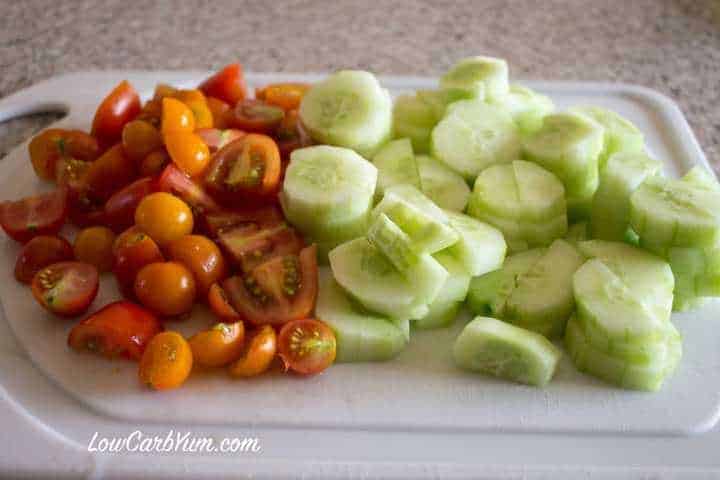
column 527, row 108
column 622, row 175
column 396, row 165
column 700, row 177
column 439, row 100
column 414, row 119
column 348, row 109
column 497, row 348
column 697, row 275
column 480, row 249
column 361, row 336
column 577, row 232
column 620, row 134
column 445, row 307
column 441, row 184
column 439, row 315
column 522, row 235
column 474, row 135
column 479, row 77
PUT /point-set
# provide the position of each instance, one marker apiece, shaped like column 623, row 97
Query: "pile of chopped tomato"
column 177, row 198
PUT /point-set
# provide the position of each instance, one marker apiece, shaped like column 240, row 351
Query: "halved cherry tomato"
column 120, row 328
column 215, row 223
column 257, row 355
column 33, row 216
column 166, row 288
column 176, row 182
column 40, row 252
column 166, row 362
column 216, row 139
column 188, row 151
column 53, row 144
column 249, row 245
column 71, row 172
column 164, row 217
column 139, row 139
column 195, row 100
column 118, row 108
column 219, row 304
column 228, row 85
column 109, row 173
column 133, row 251
column 202, row 257
column 84, row 210
column 307, row 346
column 176, row 117
column 94, row 245
column 219, row 345
column 154, row 163
column 221, row 112
column 284, row 95
column 291, row 135
column 277, row 291
column 66, row 288
column 120, row 208
column 256, row 116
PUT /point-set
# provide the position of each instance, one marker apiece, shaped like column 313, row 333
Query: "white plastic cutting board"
column 420, row 392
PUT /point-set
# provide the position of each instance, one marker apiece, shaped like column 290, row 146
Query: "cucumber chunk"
column 474, row 135
column 442, row 185
column 480, row 249
column 439, row 315
column 620, row 134
column 700, row 177
column 527, row 108
column 445, row 307
column 479, row 77
column 497, row 348
column 396, row 165
column 361, row 336
column 577, row 232
column 348, row 109
column 439, row 100
column 414, row 119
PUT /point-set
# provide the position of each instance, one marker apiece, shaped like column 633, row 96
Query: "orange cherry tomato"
column 228, row 85
column 284, row 95
column 257, row 355
column 139, row 139
column 94, row 245
column 164, row 217
column 40, row 252
column 66, row 288
column 131, row 235
column 220, row 305
column 202, row 257
column 195, row 100
column 176, row 117
column 256, row 116
column 307, row 346
column 118, row 108
column 163, row 90
column 154, row 163
column 188, row 151
column 166, row 362
column 219, row 345
column 51, row 145
column 109, row 173
column 166, row 288
column 151, row 112
column 220, row 112
column 135, row 251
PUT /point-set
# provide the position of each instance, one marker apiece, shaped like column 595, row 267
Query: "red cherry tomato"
column 249, row 245
column 220, row 305
column 66, row 288
column 256, row 116
column 33, row 216
column 120, row 208
column 214, row 223
column 215, row 139
column 291, row 135
column 71, row 172
column 227, row 85
column 40, row 252
column 174, row 181
column 120, row 107
column 84, row 210
column 109, row 173
column 307, row 346
column 121, row 328
column 221, row 112
column 136, row 250
column 48, row 147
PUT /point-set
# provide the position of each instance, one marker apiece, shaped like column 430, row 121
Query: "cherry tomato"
column 176, row 182
column 166, row 288
column 109, row 173
column 40, row 252
column 258, row 354
column 306, row 346
column 120, row 328
column 215, row 139
column 71, row 172
column 221, row 112
column 284, row 95
column 33, row 216
column 94, row 245
column 139, row 139
column 219, row 345
column 202, row 257
column 195, row 100
column 247, row 169
column 215, row 223
column 291, row 135
column 83, row 209
column 164, row 217
column 120, row 208
column 127, row 237
column 227, row 85
column 249, row 245
column 120, row 107
column 176, row 117
column 166, row 362
column 219, row 304
column 163, row 90
column 154, row 163
column 188, row 151
column 256, row 116
column 151, row 112
column 277, row 291
column 66, row 288
column 48, row 147
column 133, row 251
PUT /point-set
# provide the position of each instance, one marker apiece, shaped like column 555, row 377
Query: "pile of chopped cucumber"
column 550, row 226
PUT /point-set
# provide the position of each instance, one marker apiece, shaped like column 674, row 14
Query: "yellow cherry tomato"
column 188, row 151
column 164, row 217
column 139, row 139
column 176, row 117
column 166, row 288
column 257, row 355
column 196, row 101
column 94, row 245
column 219, row 345
column 202, row 257
column 166, row 362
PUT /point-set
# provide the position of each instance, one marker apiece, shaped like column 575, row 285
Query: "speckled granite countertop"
column 670, row 45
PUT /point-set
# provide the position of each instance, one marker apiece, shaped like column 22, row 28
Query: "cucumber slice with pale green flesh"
column 700, row 177
column 328, row 191
column 480, row 249
column 622, row 175
column 439, row 315
column 441, row 184
column 522, row 235
column 647, row 376
column 403, row 324
column 369, row 277
column 361, row 336
column 527, row 108
column 497, row 348
column 439, row 100
column 396, row 165
column 474, row 135
column 348, row 109
column 577, row 232
column 488, row 293
column 414, row 119
column 697, row 275
column 620, row 134
column 444, row 309
column 424, row 222
column 480, row 77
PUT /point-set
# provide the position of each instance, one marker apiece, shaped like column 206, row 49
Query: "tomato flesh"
column 120, row 107
column 227, row 85
column 307, row 346
column 215, row 138
column 33, row 216
column 66, row 288
column 291, row 135
column 217, row 222
column 54, row 144
column 40, row 252
column 256, row 116
column 249, row 245
column 220, row 305
column 174, row 181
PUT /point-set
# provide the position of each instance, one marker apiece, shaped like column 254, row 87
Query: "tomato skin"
column 257, row 355
column 139, row 139
column 188, row 151
column 166, row 288
column 215, row 139
column 250, row 245
column 220, row 112
column 109, row 173
column 154, row 163
column 196, row 102
column 307, row 346
column 120, row 208
column 202, row 257
column 40, row 252
column 291, row 135
column 227, row 85
column 66, row 288
column 94, row 245
column 120, row 107
column 32, row 216
column 256, row 116
column 48, row 147
column 284, row 95
column 219, row 345
column 164, row 217
column 215, row 223
column 176, row 117
column 120, row 328
column 174, row 181
column 166, row 362
column 84, row 211
column 133, row 253
column 220, row 306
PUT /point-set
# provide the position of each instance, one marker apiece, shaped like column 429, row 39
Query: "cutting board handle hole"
column 12, row 110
